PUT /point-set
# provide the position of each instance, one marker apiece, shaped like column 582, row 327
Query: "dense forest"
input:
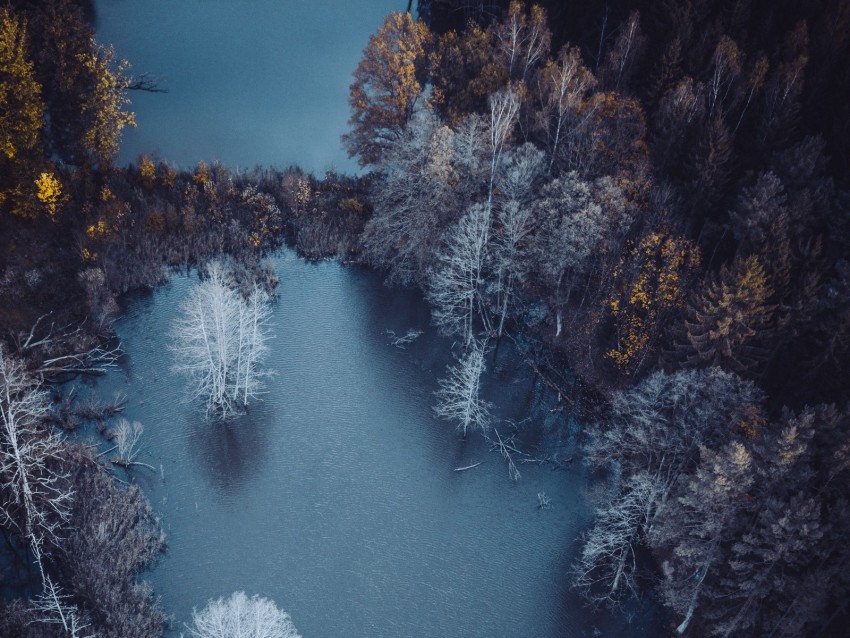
column 656, row 193
column 648, row 199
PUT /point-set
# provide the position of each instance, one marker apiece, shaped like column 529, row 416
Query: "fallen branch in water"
column 401, row 341
column 468, row 467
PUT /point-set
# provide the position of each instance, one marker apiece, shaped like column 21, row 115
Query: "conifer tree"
column 729, row 318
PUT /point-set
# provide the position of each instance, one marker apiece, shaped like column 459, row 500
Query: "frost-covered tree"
column 414, row 198
column 514, row 215
column 453, row 284
column 578, row 224
column 242, row 617
column 696, row 525
column 606, row 569
column 35, row 491
column 459, row 398
column 219, row 340
column 659, row 424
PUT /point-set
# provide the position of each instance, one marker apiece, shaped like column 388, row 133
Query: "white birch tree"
column 459, row 398
column 606, row 570
column 242, row 617
column 220, row 338
column 453, row 284
column 35, row 491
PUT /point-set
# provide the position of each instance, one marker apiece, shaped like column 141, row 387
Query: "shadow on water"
column 229, row 453
column 336, row 494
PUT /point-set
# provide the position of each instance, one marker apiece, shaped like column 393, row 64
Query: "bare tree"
column 606, row 570
column 53, row 608
column 36, row 494
column 127, row 437
column 219, row 340
column 458, row 398
column 242, row 617
column 454, row 283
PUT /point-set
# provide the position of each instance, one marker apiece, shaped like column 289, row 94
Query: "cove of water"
column 250, row 82
column 336, row 496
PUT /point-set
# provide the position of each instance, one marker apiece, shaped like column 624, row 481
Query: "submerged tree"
column 219, row 340
column 242, row 617
column 458, row 398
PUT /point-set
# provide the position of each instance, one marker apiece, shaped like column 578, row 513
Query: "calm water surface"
column 249, row 81
column 337, row 496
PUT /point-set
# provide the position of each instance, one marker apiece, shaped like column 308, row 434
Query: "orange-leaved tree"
column 388, row 85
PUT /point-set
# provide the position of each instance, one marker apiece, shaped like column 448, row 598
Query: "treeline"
column 663, row 201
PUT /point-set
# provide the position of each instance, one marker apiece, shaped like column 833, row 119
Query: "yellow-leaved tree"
column 104, row 108
column 388, row 85
column 21, row 120
column 650, row 282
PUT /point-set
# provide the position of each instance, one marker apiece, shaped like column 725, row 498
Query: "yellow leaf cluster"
column 147, row 170
column 48, row 191
column 649, row 284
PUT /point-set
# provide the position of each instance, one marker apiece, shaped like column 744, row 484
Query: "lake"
column 250, row 82
column 337, row 494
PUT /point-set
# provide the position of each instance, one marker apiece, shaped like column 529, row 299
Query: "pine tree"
column 728, row 319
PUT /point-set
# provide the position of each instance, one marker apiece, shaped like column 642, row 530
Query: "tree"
column 606, row 571
column 388, row 85
column 458, row 398
column 413, row 199
column 35, row 490
column 695, row 526
column 658, row 425
column 219, row 340
column 621, row 59
column 727, row 318
column 116, row 536
column 562, row 88
column 104, row 107
column 515, row 218
column 453, row 283
column 21, row 119
column 725, row 71
column 650, row 283
column 579, row 225
column 242, row 617
column 522, row 40
column 84, row 85
column 464, row 73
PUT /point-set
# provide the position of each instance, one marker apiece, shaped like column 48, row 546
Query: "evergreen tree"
column 728, row 318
